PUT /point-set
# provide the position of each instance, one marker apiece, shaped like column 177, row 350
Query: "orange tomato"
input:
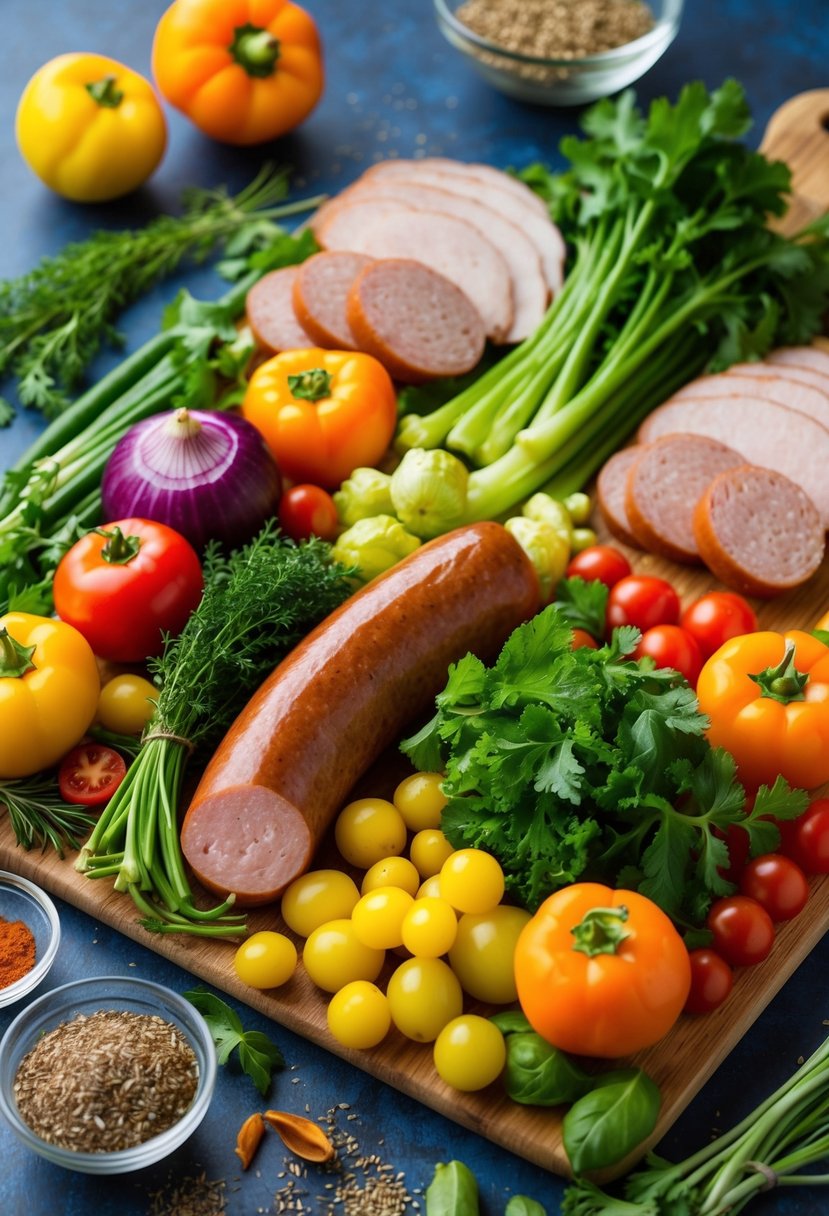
column 244, row 71
column 601, row 972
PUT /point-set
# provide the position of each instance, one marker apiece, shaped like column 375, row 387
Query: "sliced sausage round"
column 270, row 311
column 417, row 323
column 610, row 492
column 758, row 532
column 771, row 387
column 663, row 487
column 320, row 291
column 816, row 357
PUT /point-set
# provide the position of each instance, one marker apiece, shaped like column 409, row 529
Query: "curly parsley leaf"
column 583, row 604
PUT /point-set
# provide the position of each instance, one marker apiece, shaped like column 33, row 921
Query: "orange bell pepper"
column 601, row 972
column 767, row 695
column 244, row 71
column 323, row 413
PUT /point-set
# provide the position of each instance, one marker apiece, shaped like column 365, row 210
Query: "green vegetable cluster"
column 569, row 764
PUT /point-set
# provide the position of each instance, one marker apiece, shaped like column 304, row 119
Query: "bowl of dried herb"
column 29, row 936
column 560, row 52
column 106, row 1075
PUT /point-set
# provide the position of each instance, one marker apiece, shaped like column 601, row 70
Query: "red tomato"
column 777, row 883
column 670, row 646
column 711, row 981
column 716, row 618
column 601, row 562
column 806, row 839
column 582, row 638
column 738, row 842
column 643, row 601
column 306, row 511
column 743, row 930
column 90, row 774
column 124, row 584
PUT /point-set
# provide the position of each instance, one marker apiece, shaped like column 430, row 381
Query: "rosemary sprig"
column 39, row 816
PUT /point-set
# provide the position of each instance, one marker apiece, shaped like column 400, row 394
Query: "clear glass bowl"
column 22, row 900
column 87, row 997
column 562, row 82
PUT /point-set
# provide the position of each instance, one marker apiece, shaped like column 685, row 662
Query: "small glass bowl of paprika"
column 29, row 936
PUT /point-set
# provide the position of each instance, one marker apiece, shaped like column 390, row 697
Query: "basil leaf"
column 538, row 1074
column 511, row 1021
column 453, row 1191
column 605, row 1125
column 520, row 1205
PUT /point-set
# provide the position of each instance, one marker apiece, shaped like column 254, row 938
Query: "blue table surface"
column 394, row 87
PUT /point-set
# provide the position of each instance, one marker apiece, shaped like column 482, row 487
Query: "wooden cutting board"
column 683, row 1061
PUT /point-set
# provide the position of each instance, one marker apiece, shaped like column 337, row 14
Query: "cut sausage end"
column 610, row 490
column 270, row 312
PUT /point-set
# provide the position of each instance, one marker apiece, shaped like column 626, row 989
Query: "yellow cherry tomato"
column 378, row 916
column 265, row 960
column 420, row 800
column 429, row 888
column 334, row 956
column 358, row 1015
column 317, row 897
column 90, row 128
column 429, row 927
column 368, row 830
column 483, row 951
column 126, row 704
column 429, row 850
column 391, row 872
column 423, row 996
column 469, row 1053
column 472, row 880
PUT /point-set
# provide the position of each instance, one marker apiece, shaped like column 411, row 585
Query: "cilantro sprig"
column 569, row 764
column 258, row 1056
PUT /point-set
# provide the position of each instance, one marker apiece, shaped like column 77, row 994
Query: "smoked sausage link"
column 340, row 698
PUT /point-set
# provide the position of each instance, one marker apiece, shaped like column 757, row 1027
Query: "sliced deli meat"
column 415, row 321
column 763, row 432
column 270, row 312
column 610, row 492
column 345, row 693
column 758, row 532
column 816, row 357
column 786, row 371
column 320, row 292
column 663, row 486
column 782, row 389
column 529, row 287
column 387, row 229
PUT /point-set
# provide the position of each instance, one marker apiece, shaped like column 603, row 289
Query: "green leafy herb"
column 453, row 1191
column 606, row 1124
column 568, row 763
column 520, row 1205
column 40, row 817
column 536, row 1073
column 583, row 604
column 54, row 319
column 258, row 1056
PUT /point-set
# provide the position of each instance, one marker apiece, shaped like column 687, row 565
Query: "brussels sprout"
column 545, row 546
column 550, row 511
column 374, row 545
column 363, row 495
column 428, row 491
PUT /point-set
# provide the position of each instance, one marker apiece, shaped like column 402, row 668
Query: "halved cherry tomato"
column 777, row 883
column 716, row 618
column 670, row 646
column 306, row 511
column 711, row 981
column 582, row 638
column 599, row 562
column 90, row 774
column 806, row 839
column 743, row 930
column 643, row 601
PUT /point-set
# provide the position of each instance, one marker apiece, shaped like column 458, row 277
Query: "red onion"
column 208, row 475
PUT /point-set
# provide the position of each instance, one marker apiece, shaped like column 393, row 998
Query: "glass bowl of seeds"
column 29, row 936
column 106, row 1075
column 560, row 52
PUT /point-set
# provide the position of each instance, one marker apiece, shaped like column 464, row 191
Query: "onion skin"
column 208, row 475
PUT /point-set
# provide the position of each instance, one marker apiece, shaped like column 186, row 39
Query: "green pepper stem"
column 119, row 549
column 312, row 385
column 105, row 93
column 255, row 49
column 15, row 658
column 600, row 932
column 784, row 682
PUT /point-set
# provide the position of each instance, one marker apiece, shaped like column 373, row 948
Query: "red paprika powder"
column 17, row 951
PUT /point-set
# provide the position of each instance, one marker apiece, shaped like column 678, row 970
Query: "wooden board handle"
column 798, row 133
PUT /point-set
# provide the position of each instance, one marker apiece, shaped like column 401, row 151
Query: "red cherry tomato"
column 90, row 774
column 738, row 842
column 306, row 511
column 777, row 883
column 582, row 638
column 806, row 839
column 711, row 981
column 125, row 584
column 743, row 930
column 670, row 646
column 717, row 617
column 643, row 601
column 601, row 562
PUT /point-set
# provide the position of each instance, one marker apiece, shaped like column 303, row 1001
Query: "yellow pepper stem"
column 600, row 931
column 15, row 659
column 255, row 49
column 105, row 93
column 784, row 682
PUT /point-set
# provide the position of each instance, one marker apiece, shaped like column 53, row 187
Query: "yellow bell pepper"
column 49, row 688
column 90, row 128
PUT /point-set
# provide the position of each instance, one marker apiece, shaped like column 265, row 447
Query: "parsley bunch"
column 584, row 764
